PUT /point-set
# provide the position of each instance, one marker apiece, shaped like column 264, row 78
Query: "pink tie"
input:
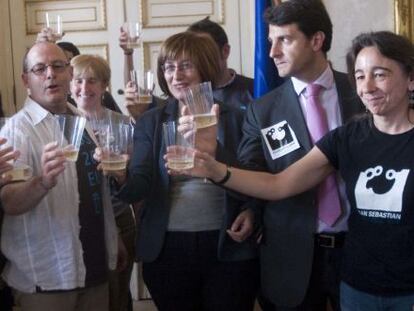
column 329, row 207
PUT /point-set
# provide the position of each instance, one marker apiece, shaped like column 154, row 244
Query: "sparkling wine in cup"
column 199, row 100
column 68, row 134
column 22, row 167
column 144, row 83
column 116, row 144
column 180, row 146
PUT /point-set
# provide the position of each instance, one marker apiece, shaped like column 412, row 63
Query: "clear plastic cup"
column 54, row 22
column 18, row 140
column 199, row 100
column 115, row 137
column 180, row 146
column 133, row 30
column 68, row 134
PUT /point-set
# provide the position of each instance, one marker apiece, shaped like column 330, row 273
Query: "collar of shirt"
column 329, row 97
column 36, row 112
column 326, row 79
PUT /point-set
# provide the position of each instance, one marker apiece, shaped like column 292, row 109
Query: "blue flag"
column 266, row 76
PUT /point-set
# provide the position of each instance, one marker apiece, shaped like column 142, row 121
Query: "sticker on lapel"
column 280, row 139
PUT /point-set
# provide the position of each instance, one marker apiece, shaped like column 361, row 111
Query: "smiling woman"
column 375, row 161
column 193, row 235
column 383, row 75
column 182, row 63
column 91, row 75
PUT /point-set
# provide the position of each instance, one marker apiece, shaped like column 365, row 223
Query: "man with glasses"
column 59, row 232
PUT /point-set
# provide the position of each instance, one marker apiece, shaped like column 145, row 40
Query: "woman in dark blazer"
column 190, row 262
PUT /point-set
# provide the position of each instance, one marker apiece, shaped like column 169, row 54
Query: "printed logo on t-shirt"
column 280, row 139
column 379, row 193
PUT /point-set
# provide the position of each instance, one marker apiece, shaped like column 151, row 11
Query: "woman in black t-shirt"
column 374, row 156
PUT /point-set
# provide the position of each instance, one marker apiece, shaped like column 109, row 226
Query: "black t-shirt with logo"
column 91, row 215
column 377, row 169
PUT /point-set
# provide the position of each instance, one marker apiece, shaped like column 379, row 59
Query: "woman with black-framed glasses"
column 187, row 225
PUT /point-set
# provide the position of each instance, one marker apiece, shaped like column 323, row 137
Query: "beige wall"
column 351, row 17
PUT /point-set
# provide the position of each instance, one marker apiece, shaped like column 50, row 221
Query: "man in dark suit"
column 300, row 254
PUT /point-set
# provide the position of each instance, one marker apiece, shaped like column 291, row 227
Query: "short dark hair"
column 213, row 29
column 309, row 15
column 70, row 47
column 199, row 48
column 390, row 45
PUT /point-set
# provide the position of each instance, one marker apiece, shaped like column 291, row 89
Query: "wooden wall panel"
column 151, row 50
column 81, row 15
column 404, row 20
column 95, row 49
column 163, row 13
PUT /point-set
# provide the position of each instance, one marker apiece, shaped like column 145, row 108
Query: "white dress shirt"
column 43, row 245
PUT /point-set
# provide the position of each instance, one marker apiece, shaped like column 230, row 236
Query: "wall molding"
column 176, row 13
column 77, row 16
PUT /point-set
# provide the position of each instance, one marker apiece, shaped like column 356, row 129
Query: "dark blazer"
column 289, row 225
column 148, row 179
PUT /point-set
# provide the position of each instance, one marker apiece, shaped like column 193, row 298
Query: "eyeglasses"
column 57, row 66
column 170, row 68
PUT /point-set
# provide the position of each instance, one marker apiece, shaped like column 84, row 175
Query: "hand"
column 204, row 166
column 53, row 163
column 205, row 138
column 242, row 227
column 48, row 35
column 119, row 175
column 123, row 40
column 6, row 156
column 122, row 261
column 132, row 104
column 131, row 93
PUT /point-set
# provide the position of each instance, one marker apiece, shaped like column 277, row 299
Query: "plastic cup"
column 54, row 22
column 23, row 165
column 68, row 134
column 180, row 146
column 144, row 84
column 133, row 30
column 199, row 100
column 115, row 138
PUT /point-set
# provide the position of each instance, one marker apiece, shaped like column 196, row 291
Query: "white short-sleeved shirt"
column 43, row 245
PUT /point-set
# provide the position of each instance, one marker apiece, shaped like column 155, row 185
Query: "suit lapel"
column 294, row 116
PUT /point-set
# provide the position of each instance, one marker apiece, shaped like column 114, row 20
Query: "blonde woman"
column 91, row 76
